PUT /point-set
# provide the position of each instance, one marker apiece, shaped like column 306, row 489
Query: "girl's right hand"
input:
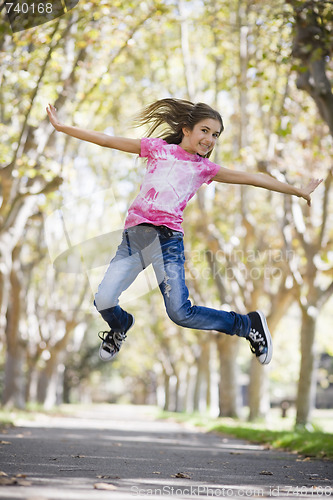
column 52, row 113
column 307, row 190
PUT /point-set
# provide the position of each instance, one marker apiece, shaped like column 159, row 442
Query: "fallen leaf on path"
column 156, row 472
column 78, row 456
column 5, row 442
column 18, row 481
column 3, row 473
column 23, row 482
column 6, row 481
column 182, row 475
column 104, row 486
column 266, row 473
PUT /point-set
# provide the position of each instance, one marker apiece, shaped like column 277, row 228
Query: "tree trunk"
column 181, row 389
column 229, row 401
column 14, row 390
column 196, row 395
column 207, row 375
column 166, row 406
column 188, row 397
column 258, row 391
column 13, row 383
column 259, row 401
column 307, row 377
column 45, row 379
column 202, row 385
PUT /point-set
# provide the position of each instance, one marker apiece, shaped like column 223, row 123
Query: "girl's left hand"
column 306, row 192
column 52, row 113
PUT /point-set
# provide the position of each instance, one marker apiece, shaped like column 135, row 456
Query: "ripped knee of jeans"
column 167, row 286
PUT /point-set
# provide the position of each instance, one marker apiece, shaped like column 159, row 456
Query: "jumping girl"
column 177, row 165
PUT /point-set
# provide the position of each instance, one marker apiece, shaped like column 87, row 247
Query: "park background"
column 267, row 67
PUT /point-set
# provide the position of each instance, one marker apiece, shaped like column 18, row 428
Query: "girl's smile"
column 202, row 139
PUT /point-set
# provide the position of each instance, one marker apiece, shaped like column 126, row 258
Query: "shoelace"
column 113, row 339
column 118, row 338
column 256, row 341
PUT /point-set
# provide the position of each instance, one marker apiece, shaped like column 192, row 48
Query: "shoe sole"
column 264, row 359
column 106, row 354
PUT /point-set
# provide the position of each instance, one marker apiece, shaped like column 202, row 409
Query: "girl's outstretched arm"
column 121, row 143
column 267, row 182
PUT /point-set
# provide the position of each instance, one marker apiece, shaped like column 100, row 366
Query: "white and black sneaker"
column 260, row 338
column 112, row 342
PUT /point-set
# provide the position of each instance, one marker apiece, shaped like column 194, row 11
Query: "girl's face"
column 202, row 139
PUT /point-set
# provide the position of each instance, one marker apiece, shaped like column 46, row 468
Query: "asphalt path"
column 123, row 452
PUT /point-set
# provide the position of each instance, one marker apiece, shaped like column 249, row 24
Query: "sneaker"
column 260, row 337
column 112, row 342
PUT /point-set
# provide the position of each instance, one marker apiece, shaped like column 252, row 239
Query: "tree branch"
column 325, row 295
column 328, row 182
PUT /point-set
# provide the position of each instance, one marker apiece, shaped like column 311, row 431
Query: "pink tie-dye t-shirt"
column 172, row 178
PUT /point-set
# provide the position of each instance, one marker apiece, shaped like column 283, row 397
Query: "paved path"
column 121, row 452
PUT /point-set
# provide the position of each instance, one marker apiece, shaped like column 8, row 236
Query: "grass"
column 10, row 417
column 310, row 441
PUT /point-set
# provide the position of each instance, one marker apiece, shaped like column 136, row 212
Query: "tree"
column 312, row 48
column 28, row 174
column 312, row 293
column 97, row 71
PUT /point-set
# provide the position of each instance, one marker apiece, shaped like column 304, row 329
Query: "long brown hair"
column 173, row 115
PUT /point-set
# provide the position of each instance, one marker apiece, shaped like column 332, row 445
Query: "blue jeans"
column 163, row 248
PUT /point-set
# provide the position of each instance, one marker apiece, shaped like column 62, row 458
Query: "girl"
column 177, row 165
